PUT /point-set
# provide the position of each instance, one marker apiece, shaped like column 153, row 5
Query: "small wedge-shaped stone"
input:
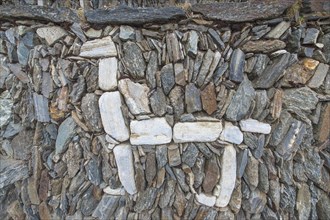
column 252, row 125
column 104, row 47
column 108, row 74
column 112, row 117
column 124, row 160
column 228, row 176
column 152, row 131
column 136, row 96
column 51, row 34
column 206, row 131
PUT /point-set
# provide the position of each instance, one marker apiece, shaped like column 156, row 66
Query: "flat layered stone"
column 252, row 125
column 192, row 98
column 133, row 60
column 104, row 47
column 41, row 108
column 65, row 133
column 228, row 176
column 167, row 78
column 150, row 132
column 206, row 199
column 91, row 112
column 136, row 96
column 12, row 171
column 311, row 36
column 134, row 16
column 124, row 160
column 299, row 73
column 106, row 207
column 108, row 74
column 212, row 175
column 209, row 99
column 231, row 134
column 51, row 34
column 279, row 30
column 126, row 33
column 319, row 76
column 242, row 11
column 196, row 131
column 300, row 98
column 272, row 72
column 237, row 63
column 192, row 47
column 112, row 117
column 263, row 46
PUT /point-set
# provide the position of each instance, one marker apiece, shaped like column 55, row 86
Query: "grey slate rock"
column 145, row 200
column 240, row 103
column 126, row 33
column 192, row 44
column 177, row 101
column 288, row 198
column 12, row 171
column 106, row 207
column 91, row 112
column 311, row 36
column 237, row 63
column 65, row 133
column 133, row 16
column 41, row 108
column 293, row 41
column 193, row 98
column 216, row 38
column 76, row 28
column 207, row 61
column 189, row 156
column 22, row 53
column 151, row 71
column 134, row 60
column 161, row 155
column 242, row 11
column 260, row 65
column 272, row 72
column 300, row 98
column 158, row 102
column 167, row 78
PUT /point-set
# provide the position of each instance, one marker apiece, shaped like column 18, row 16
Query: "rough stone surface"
column 319, row 76
column 260, row 46
column 91, row 112
column 112, row 117
column 124, row 160
column 252, row 125
column 209, row 99
column 196, row 131
column 65, row 133
column 98, row 48
column 133, row 60
column 167, row 78
column 108, row 74
column 192, row 98
column 151, row 131
column 51, row 34
column 237, row 63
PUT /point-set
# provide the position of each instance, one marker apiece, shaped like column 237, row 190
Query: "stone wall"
column 221, row 111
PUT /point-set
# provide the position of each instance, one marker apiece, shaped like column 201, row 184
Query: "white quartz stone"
column 231, row 134
column 150, row 132
column 136, row 96
column 252, row 125
column 51, row 34
column 206, row 199
column 196, row 131
column 115, row 192
column 112, row 117
column 108, row 74
column 124, row 160
column 104, row 47
column 228, row 176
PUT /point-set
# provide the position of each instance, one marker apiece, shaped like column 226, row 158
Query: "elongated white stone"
column 112, row 117
column 231, row 134
column 228, row 176
column 252, row 125
column 151, row 131
column 196, row 131
column 205, row 199
column 104, row 47
column 108, row 74
column 124, row 160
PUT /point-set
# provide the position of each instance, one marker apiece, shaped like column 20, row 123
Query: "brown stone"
column 262, row 46
column 44, row 211
column 43, row 185
column 212, row 174
column 323, row 128
column 276, row 107
column 173, row 153
column 15, row 211
column 299, row 73
column 209, row 99
column 151, row 168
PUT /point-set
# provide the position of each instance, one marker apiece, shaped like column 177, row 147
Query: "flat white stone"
column 124, row 160
column 104, row 47
column 51, row 34
column 231, row 134
column 206, row 200
column 108, row 74
column 196, row 131
column 115, row 192
column 255, row 126
column 136, row 96
column 150, row 132
column 112, row 117
column 228, row 176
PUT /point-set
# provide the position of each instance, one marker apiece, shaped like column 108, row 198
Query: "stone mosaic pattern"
column 187, row 120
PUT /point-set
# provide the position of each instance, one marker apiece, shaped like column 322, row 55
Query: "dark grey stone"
column 323, row 205
column 288, row 198
column 189, row 156
column 263, row 184
column 313, row 165
column 303, row 98
column 168, row 192
column 242, row 11
column 78, row 89
column 241, row 101
column 12, row 171
column 180, row 176
column 272, row 72
column 192, row 98
column 293, row 41
column 311, row 36
column 177, row 101
column 326, row 48
column 216, row 38
column 91, row 113
column 76, row 28
column 22, row 53
column 133, row 16
column 93, row 171
column 161, row 155
column 260, row 65
column 237, row 63
column 204, row 149
column 207, row 61
column 65, row 133
column 41, row 108
column 151, row 71
column 22, row 145
column 134, row 60
column 219, row 72
column 167, row 78
column 158, row 102
column 88, row 202
column 145, row 200
column 106, row 207
column 242, row 159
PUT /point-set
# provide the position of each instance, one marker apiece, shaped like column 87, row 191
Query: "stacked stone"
column 184, row 120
